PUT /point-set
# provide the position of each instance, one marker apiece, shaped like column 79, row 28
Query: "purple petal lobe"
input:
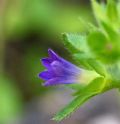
column 46, row 62
column 52, row 54
column 46, row 75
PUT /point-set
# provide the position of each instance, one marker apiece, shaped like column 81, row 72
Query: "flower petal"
column 46, row 75
column 46, row 62
column 73, row 68
column 57, row 68
column 60, row 70
column 58, row 81
column 52, row 54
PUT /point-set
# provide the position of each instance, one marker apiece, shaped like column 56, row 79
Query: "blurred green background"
column 27, row 29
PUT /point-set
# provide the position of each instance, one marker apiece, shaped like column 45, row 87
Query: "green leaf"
column 118, row 9
column 107, row 13
column 112, row 12
column 86, row 93
column 100, row 45
column 87, row 25
column 111, row 32
column 99, row 10
column 75, row 42
column 97, row 42
column 105, row 49
column 72, row 106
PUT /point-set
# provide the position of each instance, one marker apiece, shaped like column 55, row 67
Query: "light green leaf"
column 107, row 14
column 111, row 32
column 99, row 10
column 118, row 9
column 105, row 49
column 97, row 42
column 75, row 42
column 72, row 106
column 87, row 25
column 112, row 12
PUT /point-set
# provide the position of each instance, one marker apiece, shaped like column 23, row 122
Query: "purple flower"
column 59, row 71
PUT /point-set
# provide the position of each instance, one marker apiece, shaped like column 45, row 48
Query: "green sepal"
column 112, row 13
column 82, row 60
column 98, row 67
column 97, row 85
column 94, row 88
column 90, row 63
column 70, row 108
